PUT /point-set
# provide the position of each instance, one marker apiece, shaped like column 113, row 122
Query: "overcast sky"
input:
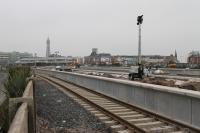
column 77, row 26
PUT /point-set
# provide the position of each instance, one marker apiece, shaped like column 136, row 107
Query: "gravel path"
column 59, row 113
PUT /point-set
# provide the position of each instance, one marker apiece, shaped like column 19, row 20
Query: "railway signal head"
column 139, row 19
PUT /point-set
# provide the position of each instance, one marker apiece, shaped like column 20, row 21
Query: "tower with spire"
column 175, row 54
column 48, row 48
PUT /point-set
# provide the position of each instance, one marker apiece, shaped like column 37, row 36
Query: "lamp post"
column 139, row 22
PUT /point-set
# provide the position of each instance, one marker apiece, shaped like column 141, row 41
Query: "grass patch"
column 16, row 82
column 14, row 87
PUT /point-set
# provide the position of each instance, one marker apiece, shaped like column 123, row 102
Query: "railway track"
column 119, row 116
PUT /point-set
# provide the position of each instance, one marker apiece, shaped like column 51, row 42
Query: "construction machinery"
column 136, row 72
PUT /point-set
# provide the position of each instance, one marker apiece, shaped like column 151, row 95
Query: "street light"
column 139, row 22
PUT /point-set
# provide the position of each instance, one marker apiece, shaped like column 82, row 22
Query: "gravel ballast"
column 57, row 112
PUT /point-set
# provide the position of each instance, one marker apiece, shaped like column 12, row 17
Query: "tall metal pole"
column 198, row 60
column 139, row 45
column 139, row 23
column 35, row 59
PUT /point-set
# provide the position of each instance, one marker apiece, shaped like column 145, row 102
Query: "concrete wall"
column 23, row 121
column 179, row 104
column 20, row 122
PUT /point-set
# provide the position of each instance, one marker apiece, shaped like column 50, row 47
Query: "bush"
column 16, row 82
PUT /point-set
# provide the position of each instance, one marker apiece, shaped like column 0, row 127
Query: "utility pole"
column 55, row 56
column 139, row 23
column 198, row 60
column 35, row 59
column 35, row 64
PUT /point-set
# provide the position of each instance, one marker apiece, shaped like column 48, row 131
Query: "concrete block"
column 196, row 112
column 106, row 87
column 115, row 91
column 139, row 96
column 164, row 103
column 150, row 99
column 124, row 92
column 181, row 108
column 131, row 96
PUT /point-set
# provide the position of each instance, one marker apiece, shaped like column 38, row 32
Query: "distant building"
column 7, row 58
column 4, row 58
column 153, row 59
column 124, row 60
column 48, row 53
column 42, row 61
column 170, row 59
column 182, row 65
column 78, row 60
column 14, row 56
column 194, row 58
column 75, row 60
column 104, row 59
column 98, row 59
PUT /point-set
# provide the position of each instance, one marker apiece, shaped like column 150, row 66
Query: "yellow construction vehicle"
column 171, row 65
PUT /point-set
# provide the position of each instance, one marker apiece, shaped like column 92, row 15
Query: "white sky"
column 77, row 26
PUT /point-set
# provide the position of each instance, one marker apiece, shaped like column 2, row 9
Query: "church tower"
column 48, row 48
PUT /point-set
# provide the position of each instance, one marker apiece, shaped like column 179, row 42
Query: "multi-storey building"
column 124, row 60
column 4, row 58
column 194, row 58
column 11, row 57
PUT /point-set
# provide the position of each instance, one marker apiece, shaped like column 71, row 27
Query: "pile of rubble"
column 191, row 85
column 184, row 84
column 108, row 75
